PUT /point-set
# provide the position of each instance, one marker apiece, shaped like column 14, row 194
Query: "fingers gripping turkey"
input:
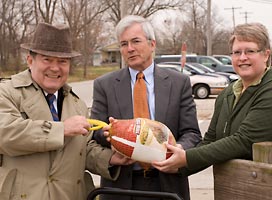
column 141, row 139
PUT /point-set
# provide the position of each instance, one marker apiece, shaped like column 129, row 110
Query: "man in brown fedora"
column 45, row 144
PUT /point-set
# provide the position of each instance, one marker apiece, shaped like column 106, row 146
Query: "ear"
column 29, row 60
column 153, row 44
column 267, row 54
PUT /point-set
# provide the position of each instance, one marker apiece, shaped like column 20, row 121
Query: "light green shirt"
column 238, row 87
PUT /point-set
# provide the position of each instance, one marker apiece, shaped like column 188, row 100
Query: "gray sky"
column 256, row 10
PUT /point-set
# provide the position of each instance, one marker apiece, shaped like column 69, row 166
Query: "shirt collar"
column 148, row 73
column 56, row 94
column 238, row 86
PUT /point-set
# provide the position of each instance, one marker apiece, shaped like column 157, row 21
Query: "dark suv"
column 208, row 61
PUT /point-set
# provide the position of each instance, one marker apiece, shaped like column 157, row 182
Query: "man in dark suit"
column 170, row 101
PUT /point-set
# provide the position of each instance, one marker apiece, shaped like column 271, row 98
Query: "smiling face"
column 50, row 73
column 135, row 48
column 249, row 66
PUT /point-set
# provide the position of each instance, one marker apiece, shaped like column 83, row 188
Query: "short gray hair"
column 129, row 20
column 252, row 32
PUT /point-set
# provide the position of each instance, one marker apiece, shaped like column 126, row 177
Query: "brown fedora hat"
column 55, row 41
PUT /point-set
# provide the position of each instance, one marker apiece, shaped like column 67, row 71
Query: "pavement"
column 201, row 184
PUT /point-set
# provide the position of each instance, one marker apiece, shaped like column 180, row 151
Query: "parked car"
column 208, row 61
column 231, row 77
column 167, row 58
column 203, row 84
column 226, row 60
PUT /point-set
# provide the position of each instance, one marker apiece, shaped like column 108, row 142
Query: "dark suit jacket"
column 174, row 106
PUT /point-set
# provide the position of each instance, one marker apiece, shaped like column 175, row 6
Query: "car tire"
column 201, row 91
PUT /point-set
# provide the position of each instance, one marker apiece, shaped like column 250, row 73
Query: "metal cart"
column 135, row 193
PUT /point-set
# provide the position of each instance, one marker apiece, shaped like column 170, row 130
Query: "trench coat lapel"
column 37, row 102
column 122, row 87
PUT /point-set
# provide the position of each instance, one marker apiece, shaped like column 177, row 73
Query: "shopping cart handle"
column 134, row 193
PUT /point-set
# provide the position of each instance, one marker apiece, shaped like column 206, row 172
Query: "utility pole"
column 246, row 15
column 209, row 32
column 233, row 14
column 123, row 11
column 85, row 41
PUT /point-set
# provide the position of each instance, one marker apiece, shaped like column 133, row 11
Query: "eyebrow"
column 130, row 39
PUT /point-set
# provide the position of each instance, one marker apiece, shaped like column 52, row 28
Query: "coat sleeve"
column 97, row 144
column 250, row 124
column 99, row 111
column 20, row 134
column 97, row 161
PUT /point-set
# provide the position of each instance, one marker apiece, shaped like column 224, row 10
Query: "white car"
column 203, row 84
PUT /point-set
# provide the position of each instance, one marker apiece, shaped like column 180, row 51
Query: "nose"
column 243, row 56
column 54, row 65
column 130, row 46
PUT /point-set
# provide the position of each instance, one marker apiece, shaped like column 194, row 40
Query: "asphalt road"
column 201, row 184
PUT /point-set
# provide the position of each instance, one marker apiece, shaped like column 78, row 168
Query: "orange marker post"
column 183, row 55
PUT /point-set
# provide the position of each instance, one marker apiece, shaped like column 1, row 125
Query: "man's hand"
column 76, row 125
column 119, row 159
column 107, row 128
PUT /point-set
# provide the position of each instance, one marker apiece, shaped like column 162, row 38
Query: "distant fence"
column 240, row 179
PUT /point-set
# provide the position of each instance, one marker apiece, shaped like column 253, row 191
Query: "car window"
column 207, row 62
column 191, row 59
column 225, row 61
column 186, row 72
column 202, row 67
column 167, row 59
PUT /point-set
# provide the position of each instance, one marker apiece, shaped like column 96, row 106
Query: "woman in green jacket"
column 243, row 110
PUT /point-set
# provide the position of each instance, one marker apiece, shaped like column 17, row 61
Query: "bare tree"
column 170, row 36
column 141, row 7
column 44, row 10
column 85, row 20
column 92, row 24
column 15, row 18
column 193, row 31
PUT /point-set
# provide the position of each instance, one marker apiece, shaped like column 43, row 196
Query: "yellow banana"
column 97, row 124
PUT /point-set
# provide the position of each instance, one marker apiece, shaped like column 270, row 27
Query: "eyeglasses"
column 134, row 42
column 247, row 52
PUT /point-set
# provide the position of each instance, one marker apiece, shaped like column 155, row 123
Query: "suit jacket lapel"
column 122, row 86
column 162, row 87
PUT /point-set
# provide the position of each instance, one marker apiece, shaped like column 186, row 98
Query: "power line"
column 246, row 15
column 261, row 1
column 233, row 14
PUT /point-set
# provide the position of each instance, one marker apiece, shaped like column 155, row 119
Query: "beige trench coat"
column 38, row 162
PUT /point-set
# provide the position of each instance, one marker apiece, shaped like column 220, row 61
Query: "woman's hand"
column 175, row 161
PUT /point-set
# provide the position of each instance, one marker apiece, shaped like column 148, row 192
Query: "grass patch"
column 91, row 72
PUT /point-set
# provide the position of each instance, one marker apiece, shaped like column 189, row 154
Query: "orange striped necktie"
column 140, row 97
column 141, row 104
